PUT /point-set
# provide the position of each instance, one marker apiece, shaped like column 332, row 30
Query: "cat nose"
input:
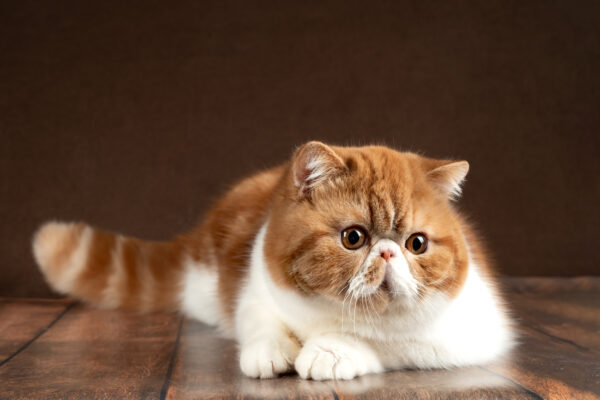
column 387, row 254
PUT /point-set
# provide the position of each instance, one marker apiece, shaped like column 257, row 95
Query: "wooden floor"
column 59, row 349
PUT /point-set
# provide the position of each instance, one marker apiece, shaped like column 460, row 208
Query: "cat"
column 343, row 261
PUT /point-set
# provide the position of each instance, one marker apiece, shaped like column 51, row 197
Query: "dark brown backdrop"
column 135, row 116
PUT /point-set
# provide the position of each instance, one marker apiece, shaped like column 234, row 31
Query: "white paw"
column 330, row 359
column 267, row 358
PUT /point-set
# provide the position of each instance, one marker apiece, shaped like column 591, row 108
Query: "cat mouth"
column 386, row 284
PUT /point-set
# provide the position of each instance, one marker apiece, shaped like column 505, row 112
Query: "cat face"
column 368, row 224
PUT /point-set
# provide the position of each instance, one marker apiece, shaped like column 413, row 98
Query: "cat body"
column 342, row 262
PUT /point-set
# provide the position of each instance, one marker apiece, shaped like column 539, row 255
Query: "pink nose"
column 387, row 254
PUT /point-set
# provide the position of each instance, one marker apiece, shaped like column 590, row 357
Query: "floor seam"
column 332, row 390
column 519, row 386
column 40, row 333
column 554, row 337
column 167, row 383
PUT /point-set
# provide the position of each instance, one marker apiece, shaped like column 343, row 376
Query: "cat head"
column 368, row 223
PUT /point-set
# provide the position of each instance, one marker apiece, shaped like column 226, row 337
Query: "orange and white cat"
column 342, row 262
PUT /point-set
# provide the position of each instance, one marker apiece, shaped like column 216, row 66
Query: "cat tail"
column 110, row 270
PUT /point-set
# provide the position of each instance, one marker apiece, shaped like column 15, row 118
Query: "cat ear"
column 313, row 163
column 448, row 176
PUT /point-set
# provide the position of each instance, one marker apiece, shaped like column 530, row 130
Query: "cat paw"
column 331, row 359
column 268, row 358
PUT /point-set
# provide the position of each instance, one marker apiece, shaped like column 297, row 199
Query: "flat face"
column 89, row 353
column 381, row 220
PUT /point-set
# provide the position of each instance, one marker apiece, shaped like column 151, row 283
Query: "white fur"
column 199, row 295
column 149, row 286
column 336, row 356
column 318, row 170
column 470, row 329
column 453, row 176
column 397, row 272
column 279, row 329
column 112, row 293
column 49, row 238
column 435, row 332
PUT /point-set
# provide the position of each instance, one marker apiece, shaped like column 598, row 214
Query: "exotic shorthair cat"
column 342, row 262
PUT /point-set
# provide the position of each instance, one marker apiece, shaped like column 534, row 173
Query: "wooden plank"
column 21, row 322
column 565, row 309
column 557, row 358
column 207, row 367
column 550, row 368
column 559, row 319
column 94, row 354
column 580, row 286
column 460, row 383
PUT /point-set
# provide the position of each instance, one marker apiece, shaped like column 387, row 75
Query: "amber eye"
column 353, row 238
column 417, row 243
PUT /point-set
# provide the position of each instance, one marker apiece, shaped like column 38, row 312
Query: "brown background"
column 135, row 116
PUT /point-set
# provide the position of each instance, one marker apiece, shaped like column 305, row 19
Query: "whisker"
column 343, row 288
column 372, row 303
column 355, row 304
column 367, row 303
column 363, row 309
column 343, row 308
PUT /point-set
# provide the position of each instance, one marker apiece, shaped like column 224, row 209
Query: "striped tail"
column 109, row 270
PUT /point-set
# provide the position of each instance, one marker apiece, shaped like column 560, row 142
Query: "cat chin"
column 380, row 274
column 308, row 314
column 396, row 282
column 466, row 329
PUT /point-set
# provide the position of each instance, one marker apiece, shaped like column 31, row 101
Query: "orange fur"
column 390, row 194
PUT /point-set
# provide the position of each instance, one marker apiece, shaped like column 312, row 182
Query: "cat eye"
column 416, row 243
column 353, row 238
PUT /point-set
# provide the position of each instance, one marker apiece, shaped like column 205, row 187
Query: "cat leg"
column 267, row 347
column 414, row 353
column 424, row 354
column 336, row 356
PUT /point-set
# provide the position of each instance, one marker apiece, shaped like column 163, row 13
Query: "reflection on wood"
column 50, row 351
column 22, row 321
column 92, row 353
column 201, row 351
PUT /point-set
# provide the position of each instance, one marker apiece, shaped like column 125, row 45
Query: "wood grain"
column 85, row 353
column 559, row 354
column 566, row 308
column 207, row 367
column 22, row 320
column 94, row 354
column 463, row 383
